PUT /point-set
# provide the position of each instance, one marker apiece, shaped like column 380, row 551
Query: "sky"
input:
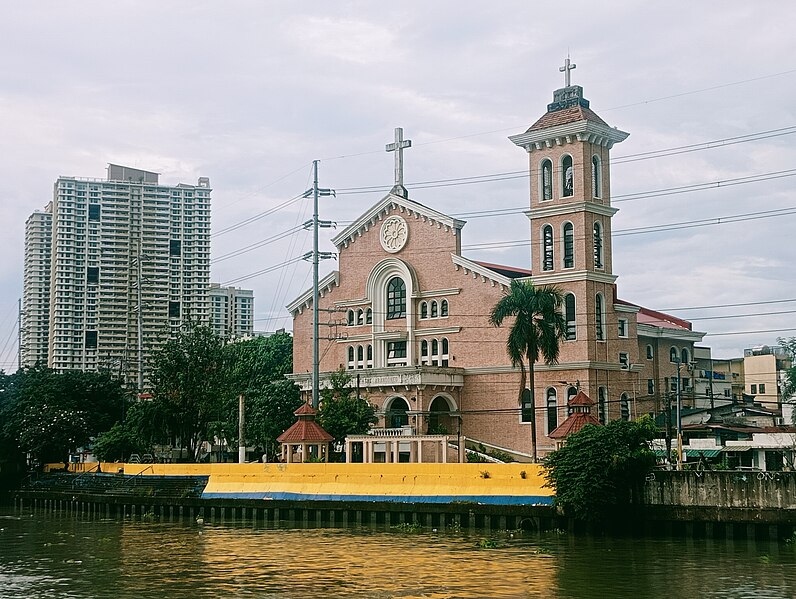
column 249, row 93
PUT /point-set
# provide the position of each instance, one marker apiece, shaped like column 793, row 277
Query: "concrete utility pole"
column 140, row 321
column 679, row 421
column 241, row 436
column 19, row 334
column 316, row 256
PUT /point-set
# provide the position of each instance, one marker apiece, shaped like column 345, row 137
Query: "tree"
column 341, row 413
column 188, row 383
column 537, row 329
column 599, row 468
column 789, row 384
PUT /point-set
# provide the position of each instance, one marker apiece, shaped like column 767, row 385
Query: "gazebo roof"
column 305, row 429
column 579, row 418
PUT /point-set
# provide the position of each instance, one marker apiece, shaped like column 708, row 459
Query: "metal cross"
column 398, row 147
column 566, row 69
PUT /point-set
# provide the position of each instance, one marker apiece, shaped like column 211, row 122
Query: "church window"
column 423, row 310
column 571, row 393
column 547, row 247
column 598, row 245
column 424, row 352
column 569, row 315
column 552, row 410
column 685, row 356
column 673, row 355
column 624, row 407
column 434, row 309
column 360, row 357
column 624, row 359
column 369, row 316
column 396, row 353
column 596, row 183
column 547, row 179
column 360, row 317
column 602, row 408
column 398, row 413
column 650, row 352
column 622, row 326
column 650, row 386
column 599, row 321
column 527, row 406
column 569, row 245
column 443, row 308
column 434, row 352
column 396, row 298
column 443, row 359
column 351, row 357
column 567, row 177
column 350, row 318
column 370, row 356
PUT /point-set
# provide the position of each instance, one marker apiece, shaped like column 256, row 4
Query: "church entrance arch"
column 440, row 421
column 396, row 413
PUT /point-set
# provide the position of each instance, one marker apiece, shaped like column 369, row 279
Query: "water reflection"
column 54, row 556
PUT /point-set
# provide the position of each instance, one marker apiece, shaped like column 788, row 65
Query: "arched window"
column 434, row 352
column 423, row 310
column 350, row 318
column 397, row 414
column 443, row 308
column 423, row 351
column 602, row 408
column 599, row 317
column 569, row 245
column 443, row 359
column 434, row 308
column 567, row 177
column 547, row 179
column 547, row 247
column 596, row 182
column 396, row 298
column 624, row 407
column 569, row 315
column 673, row 357
column 360, row 316
column 685, row 356
column 598, row 245
column 360, row 357
column 370, row 356
column 527, row 406
column 552, row 410
column 351, row 356
column 650, row 352
column 571, row 393
column 369, row 316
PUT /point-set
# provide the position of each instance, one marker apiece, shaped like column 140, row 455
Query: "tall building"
column 231, row 311
column 408, row 314
column 36, row 288
column 130, row 262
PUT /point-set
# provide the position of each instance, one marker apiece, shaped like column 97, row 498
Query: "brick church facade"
column 407, row 313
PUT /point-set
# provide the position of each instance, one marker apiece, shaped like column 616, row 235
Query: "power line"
column 258, row 216
column 263, row 271
column 715, row 306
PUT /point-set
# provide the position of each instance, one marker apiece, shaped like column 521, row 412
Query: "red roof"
column 581, row 399
column 512, row 272
column 305, row 410
column 655, row 318
column 573, row 114
column 305, row 429
column 573, row 424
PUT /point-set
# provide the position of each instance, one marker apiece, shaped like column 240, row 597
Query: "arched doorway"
column 439, row 418
column 396, row 414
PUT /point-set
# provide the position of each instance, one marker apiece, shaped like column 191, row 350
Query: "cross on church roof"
column 398, row 147
column 566, row 69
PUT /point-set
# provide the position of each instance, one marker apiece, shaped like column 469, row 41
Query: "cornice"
column 470, row 267
column 564, row 209
column 298, row 305
column 650, row 330
column 579, row 131
column 579, row 275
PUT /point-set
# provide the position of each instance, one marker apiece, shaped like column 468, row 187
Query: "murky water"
column 44, row 555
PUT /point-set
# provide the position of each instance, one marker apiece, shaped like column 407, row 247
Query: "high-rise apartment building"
column 36, row 288
column 130, row 262
column 231, row 311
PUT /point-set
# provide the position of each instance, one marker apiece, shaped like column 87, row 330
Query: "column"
column 347, row 451
column 387, row 451
column 413, row 451
column 419, row 452
column 445, row 449
column 303, row 452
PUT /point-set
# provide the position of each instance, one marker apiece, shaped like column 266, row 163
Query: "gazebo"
column 579, row 416
column 303, row 435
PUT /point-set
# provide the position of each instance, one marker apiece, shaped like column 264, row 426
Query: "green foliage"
column 118, row 443
column 600, row 467
column 341, row 413
column 49, row 414
column 789, row 384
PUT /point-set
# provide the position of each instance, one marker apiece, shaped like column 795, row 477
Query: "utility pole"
column 241, row 436
column 315, row 223
column 679, row 421
column 140, row 321
column 19, row 335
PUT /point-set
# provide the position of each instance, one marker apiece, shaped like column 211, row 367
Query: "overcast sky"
column 249, row 93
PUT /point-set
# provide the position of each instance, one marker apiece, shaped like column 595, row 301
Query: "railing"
column 404, row 431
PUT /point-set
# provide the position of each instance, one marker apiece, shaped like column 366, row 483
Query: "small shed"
column 579, row 416
column 304, row 435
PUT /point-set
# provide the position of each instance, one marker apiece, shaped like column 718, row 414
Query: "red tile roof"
column 565, row 116
column 581, row 399
column 655, row 318
column 573, row 424
column 305, row 431
column 513, row 272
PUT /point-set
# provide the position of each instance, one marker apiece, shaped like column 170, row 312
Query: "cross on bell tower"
column 398, row 147
column 566, row 70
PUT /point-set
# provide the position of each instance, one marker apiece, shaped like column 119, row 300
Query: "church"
column 413, row 312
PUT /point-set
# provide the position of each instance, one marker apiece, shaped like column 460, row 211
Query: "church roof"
column 566, row 116
column 657, row 319
column 512, row 272
column 382, row 207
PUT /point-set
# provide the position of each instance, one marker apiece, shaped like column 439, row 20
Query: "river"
column 57, row 556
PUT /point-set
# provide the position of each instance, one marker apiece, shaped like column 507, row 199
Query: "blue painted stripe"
column 483, row 499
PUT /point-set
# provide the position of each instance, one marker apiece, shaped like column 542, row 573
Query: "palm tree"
column 537, row 329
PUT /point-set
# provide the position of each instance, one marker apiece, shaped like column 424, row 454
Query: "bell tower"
column 570, row 211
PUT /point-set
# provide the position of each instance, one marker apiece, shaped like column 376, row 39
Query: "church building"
column 408, row 315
